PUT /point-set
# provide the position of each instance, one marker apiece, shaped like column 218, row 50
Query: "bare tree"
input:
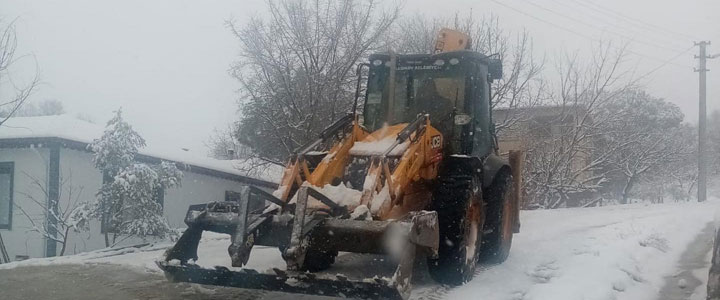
column 675, row 177
column 570, row 161
column 225, row 144
column 67, row 218
column 297, row 69
column 50, row 107
column 8, row 46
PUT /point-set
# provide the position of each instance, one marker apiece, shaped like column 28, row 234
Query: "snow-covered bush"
column 128, row 201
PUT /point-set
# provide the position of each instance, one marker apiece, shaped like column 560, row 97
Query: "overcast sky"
column 165, row 62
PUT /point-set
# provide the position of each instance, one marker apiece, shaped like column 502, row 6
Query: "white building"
column 45, row 158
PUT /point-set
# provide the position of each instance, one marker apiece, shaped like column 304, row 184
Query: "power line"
column 579, row 33
column 598, row 27
column 622, row 25
column 665, row 63
column 628, row 19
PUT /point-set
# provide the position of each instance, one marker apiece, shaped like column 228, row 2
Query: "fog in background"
column 166, row 62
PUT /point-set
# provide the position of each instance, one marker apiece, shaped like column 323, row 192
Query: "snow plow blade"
column 296, row 234
column 282, row 281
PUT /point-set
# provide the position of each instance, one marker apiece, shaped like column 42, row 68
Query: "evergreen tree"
column 127, row 203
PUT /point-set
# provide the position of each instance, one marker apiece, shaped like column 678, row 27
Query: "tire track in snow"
column 435, row 291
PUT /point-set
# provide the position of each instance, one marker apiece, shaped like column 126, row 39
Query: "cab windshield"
column 418, row 89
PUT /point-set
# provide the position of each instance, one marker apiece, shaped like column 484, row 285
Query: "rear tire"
column 496, row 243
column 458, row 203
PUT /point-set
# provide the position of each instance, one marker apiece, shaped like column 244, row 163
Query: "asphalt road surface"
column 116, row 282
column 107, row 282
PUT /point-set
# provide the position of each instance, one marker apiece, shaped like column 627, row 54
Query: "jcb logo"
column 436, row 142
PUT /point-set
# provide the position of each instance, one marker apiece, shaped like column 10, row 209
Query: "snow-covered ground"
column 615, row 252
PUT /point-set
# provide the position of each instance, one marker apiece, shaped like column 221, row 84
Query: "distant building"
column 53, row 151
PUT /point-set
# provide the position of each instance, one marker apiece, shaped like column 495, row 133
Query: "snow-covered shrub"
column 127, row 203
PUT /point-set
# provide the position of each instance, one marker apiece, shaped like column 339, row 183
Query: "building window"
column 7, row 170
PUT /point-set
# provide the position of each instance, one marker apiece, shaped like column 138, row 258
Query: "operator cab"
column 452, row 87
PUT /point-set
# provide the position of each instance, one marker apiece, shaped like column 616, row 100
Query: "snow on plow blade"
column 296, row 234
column 282, row 281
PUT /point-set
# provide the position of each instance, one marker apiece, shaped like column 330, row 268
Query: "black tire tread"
column 450, row 201
column 492, row 249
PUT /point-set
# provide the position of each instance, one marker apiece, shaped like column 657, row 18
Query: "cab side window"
column 482, row 135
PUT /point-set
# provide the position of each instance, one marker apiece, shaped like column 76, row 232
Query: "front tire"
column 497, row 242
column 458, row 202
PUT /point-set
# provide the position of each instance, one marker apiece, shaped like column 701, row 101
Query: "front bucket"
column 283, row 281
column 400, row 238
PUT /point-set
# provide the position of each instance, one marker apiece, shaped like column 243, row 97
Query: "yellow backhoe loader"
column 417, row 172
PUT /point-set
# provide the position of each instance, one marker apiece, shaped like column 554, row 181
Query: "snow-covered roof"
column 73, row 129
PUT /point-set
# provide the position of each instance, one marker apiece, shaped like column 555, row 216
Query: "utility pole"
column 702, row 121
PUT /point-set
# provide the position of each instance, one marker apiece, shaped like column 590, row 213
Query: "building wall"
column 30, row 164
column 79, row 175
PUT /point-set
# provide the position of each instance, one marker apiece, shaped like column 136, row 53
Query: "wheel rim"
column 471, row 233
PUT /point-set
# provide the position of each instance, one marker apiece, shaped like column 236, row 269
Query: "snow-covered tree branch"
column 564, row 161
column 72, row 217
column 20, row 91
column 297, row 69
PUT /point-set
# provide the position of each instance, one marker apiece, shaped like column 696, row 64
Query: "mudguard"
column 491, row 168
column 467, row 164
column 488, row 167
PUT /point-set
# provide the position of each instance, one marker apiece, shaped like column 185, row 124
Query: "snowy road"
column 617, row 252
column 690, row 280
